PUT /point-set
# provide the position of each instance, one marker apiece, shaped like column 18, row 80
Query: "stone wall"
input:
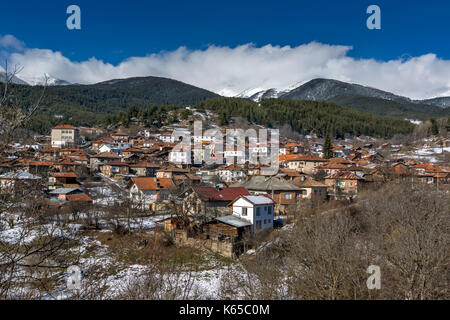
column 225, row 248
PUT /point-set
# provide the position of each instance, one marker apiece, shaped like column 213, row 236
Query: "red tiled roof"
column 64, row 175
column 116, row 164
column 39, row 163
column 153, row 184
column 82, row 197
column 145, row 165
column 64, row 126
column 166, row 184
column 226, row 194
column 68, row 162
column 106, row 155
column 299, row 157
column 344, row 176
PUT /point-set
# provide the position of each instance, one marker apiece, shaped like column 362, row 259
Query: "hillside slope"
column 86, row 104
column 308, row 116
column 365, row 99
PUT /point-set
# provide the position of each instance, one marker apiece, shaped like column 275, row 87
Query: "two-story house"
column 258, row 210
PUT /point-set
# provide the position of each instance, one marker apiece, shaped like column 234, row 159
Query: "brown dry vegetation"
column 402, row 228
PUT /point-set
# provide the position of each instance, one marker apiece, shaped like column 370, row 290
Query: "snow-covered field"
column 425, row 154
column 203, row 283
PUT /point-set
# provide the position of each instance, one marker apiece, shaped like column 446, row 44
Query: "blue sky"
column 115, row 31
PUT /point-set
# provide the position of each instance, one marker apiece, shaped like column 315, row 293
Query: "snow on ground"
column 19, row 235
column 429, row 151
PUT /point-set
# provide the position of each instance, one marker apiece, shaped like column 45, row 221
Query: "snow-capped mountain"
column 51, row 81
column 257, row 94
column 14, row 79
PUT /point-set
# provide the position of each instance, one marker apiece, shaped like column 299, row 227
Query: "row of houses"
column 217, row 201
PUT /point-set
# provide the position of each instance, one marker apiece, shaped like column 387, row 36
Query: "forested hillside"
column 308, row 116
column 391, row 108
column 87, row 104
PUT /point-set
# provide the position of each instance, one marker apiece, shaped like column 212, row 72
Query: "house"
column 146, row 191
column 207, row 137
column 114, row 168
column 344, row 184
column 302, row 163
column 293, row 148
column 309, row 187
column 121, row 137
column 257, row 210
column 259, row 170
column 144, row 169
column 330, row 168
column 61, row 194
column 167, row 137
column 289, row 175
column 282, row 192
column 47, row 154
column 18, row 179
column 109, row 148
column 231, row 173
column 61, row 179
column 79, row 198
column 96, row 145
column 180, row 157
column 66, row 165
column 65, row 135
column 170, row 172
column 210, row 202
column 41, row 168
column 102, row 158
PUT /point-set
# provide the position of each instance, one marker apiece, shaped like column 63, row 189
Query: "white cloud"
column 10, row 42
column 233, row 70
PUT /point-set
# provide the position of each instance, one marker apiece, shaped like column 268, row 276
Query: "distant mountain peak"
column 356, row 96
column 41, row 80
column 14, row 79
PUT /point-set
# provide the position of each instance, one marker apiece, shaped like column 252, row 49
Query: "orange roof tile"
column 82, row 197
column 64, row 126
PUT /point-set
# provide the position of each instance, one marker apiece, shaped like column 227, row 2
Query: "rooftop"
column 234, row 221
column 262, row 183
column 225, row 194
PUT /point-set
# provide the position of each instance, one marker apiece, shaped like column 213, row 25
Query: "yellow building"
column 65, row 135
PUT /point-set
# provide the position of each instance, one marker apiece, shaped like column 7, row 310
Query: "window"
column 244, row 211
column 258, row 225
column 288, row 196
column 265, row 221
column 265, row 209
column 258, row 211
column 270, row 211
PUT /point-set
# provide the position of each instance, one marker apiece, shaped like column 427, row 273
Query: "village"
column 194, row 158
column 217, row 207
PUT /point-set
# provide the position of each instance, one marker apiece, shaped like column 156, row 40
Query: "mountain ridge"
column 362, row 98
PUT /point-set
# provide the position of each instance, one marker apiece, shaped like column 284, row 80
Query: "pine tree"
column 223, row 119
column 327, row 147
column 434, row 127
